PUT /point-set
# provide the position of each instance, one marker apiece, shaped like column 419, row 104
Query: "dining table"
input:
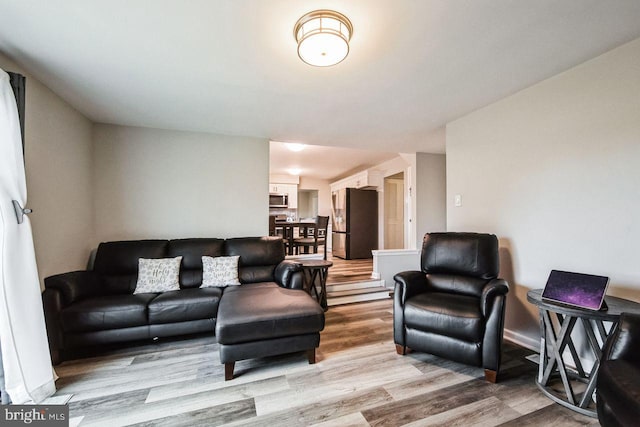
column 288, row 228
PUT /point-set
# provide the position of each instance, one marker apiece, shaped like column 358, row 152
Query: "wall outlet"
column 457, row 200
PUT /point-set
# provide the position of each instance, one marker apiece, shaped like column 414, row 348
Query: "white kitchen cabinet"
column 370, row 179
column 290, row 189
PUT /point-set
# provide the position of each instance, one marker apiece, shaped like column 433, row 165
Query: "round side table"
column 315, row 274
column 578, row 385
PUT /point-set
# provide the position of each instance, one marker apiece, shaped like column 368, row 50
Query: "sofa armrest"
column 624, row 343
column 490, row 291
column 408, row 284
column 73, row 286
column 52, row 305
column 288, row 274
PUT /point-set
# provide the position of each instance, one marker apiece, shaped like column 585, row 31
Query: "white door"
column 28, row 374
column 394, row 212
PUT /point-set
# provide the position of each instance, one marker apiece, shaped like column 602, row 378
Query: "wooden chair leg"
column 228, row 370
column 311, row 355
column 401, row 350
column 491, row 376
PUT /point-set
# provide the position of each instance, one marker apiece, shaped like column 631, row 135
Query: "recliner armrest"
column 408, row 284
column 624, row 343
column 492, row 289
column 52, row 305
column 288, row 274
column 74, row 285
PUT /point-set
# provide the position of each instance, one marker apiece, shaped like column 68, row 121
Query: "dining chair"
column 272, row 225
column 319, row 236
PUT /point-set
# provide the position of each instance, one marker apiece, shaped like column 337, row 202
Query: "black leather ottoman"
column 258, row 320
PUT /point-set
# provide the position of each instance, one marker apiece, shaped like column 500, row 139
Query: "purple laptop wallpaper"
column 583, row 290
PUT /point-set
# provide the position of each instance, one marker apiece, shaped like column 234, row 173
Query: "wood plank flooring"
column 347, row 271
column 359, row 380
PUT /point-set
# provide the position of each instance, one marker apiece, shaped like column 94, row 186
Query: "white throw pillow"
column 158, row 275
column 219, row 271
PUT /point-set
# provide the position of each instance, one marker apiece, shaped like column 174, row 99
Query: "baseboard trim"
column 522, row 340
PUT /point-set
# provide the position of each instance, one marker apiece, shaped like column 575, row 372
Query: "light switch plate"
column 457, row 200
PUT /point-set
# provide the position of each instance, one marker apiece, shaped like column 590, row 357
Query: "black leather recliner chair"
column 618, row 384
column 454, row 307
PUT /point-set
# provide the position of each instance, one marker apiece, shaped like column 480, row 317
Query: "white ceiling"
column 330, row 163
column 230, row 66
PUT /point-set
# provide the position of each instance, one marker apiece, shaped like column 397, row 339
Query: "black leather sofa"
column 97, row 307
column 618, row 384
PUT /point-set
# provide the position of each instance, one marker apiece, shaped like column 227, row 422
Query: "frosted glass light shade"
column 323, row 37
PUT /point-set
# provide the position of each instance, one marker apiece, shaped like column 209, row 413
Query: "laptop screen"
column 581, row 290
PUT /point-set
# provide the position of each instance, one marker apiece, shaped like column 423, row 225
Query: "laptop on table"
column 576, row 290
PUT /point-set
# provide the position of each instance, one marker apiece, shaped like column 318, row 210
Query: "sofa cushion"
column 192, row 251
column 259, row 257
column 251, row 313
column 158, row 275
column 106, row 312
column 451, row 315
column 467, row 254
column 184, row 305
column 219, row 271
column 618, row 394
column 448, row 283
column 117, row 262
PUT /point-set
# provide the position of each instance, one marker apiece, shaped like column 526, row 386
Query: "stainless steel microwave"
column 278, row 200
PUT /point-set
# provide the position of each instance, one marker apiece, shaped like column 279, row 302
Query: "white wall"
column 152, row 183
column 554, row 171
column 430, row 195
column 324, row 201
column 58, row 154
column 324, row 193
column 389, row 168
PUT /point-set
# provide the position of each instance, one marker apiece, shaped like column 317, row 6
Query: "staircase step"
column 360, row 297
column 346, row 292
column 353, row 285
column 357, row 295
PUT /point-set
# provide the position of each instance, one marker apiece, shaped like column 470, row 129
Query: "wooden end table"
column 315, row 273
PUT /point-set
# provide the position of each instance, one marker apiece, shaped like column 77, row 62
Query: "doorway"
column 394, row 211
column 307, row 204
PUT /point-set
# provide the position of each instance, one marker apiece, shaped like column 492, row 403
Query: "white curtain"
column 28, row 374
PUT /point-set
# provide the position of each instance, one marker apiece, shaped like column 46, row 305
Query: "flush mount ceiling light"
column 294, row 146
column 323, row 37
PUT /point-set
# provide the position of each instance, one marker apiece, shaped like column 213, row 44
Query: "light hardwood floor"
column 359, row 380
column 347, row 271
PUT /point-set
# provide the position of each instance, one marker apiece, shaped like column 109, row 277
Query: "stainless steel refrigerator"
column 355, row 223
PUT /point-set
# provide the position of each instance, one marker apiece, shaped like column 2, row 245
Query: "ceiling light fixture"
column 323, row 37
column 294, row 146
column 294, row 171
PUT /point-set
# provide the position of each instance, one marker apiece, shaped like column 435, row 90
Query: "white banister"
column 388, row 262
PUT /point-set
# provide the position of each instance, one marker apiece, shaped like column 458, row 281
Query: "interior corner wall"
column 430, row 195
column 58, row 156
column 554, row 171
column 324, row 193
column 153, row 183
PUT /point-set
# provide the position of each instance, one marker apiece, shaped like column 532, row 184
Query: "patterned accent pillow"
column 158, row 275
column 219, row 271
